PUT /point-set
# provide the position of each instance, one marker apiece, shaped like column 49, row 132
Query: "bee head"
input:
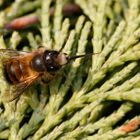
column 54, row 60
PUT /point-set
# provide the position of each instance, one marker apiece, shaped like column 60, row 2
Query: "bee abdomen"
column 13, row 71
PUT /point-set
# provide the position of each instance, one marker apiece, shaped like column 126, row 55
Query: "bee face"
column 50, row 61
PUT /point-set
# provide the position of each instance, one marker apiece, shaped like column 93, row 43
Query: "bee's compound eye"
column 51, row 54
column 37, row 63
column 50, row 61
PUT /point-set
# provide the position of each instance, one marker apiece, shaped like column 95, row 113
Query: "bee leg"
column 16, row 101
column 14, row 107
column 65, row 75
column 45, row 81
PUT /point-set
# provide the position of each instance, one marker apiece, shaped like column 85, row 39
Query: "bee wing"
column 8, row 53
column 15, row 91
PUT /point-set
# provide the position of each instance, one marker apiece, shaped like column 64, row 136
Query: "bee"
column 21, row 69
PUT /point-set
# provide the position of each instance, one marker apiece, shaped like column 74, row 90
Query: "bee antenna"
column 60, row 50
column 79, row 56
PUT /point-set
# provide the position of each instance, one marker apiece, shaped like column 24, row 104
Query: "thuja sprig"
column 107, row 49
column 119, row 54
column 4, row 134
column 132, row 39
column 62, row 34
column 57, row 20
column 99, row 25
column 64, row 89
column 129, row 38
column 34, row 122
column 119, row 132
column 127, row 85
column 71, row 41
column 117, row 77
column 19, row 114
column 111, row 65
column 87, row 9
column 110, row 46
column 32, row 41
column 24, row 7
column 132, row 95
column 15, row 40
column 81, row 50
column 45, row 24
column 133, row 10
column 70, row 124
column 111, row 120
